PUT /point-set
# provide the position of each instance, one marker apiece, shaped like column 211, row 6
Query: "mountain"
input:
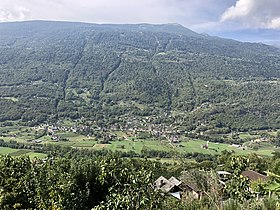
column 114, row 74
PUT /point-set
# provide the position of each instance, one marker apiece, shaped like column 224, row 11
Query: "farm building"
column 254, row 176
column 176, row 188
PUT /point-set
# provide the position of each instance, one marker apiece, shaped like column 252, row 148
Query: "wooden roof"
column 193, row 186
column 174, row 181
column 254, row 176
column 164, row 184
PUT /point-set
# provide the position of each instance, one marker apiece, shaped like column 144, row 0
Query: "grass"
column 64, row 143
column 74, row 136
column 274, row 133
column 214, row 148
column 17, row 133
column 247, row 136
column 138, row 105
column 137, row 145
column 66, row 122
column 7, row 150
column 19, row 152
column 22, row 134
column 68, row 135
column 84, row 144
column 190, row 146
column 34, row 155
column 100, row 146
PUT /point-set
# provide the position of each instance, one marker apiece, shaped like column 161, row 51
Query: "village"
column 137, row 134
column 143, row 128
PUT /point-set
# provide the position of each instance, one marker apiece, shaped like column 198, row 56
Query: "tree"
column 238, row 186
column 17, row 189
column 130, row 187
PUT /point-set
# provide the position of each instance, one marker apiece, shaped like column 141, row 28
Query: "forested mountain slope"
column 53, row 70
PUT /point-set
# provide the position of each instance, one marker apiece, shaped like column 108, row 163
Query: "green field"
column 190, row 146
column 19, row 152
column 125, row 141
column 7, row 150
column 131, row 143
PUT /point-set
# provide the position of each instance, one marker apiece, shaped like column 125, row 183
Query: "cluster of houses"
column 145, row 124
column 181, row 189
column 51, row 129
column 132, row 126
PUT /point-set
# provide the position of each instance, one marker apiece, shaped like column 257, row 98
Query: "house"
column 175, row 181
column 236, row 145
column 254, row 176
column 192, row 190
column 171, row 186
column 177, row 188
column 37, row 141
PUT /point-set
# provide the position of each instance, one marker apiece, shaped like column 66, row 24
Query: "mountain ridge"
column 175, row 28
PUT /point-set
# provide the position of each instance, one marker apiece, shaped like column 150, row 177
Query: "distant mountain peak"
column 175, row 24
column 174, row 28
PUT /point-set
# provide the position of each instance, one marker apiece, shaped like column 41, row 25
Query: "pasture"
column 19, row 152
column 190, row 146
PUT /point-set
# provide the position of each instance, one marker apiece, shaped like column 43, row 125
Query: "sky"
column 209, row 16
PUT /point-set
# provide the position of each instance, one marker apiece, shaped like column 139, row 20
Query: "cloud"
column 274, row 23
column 188, row 13
column 93, row 10
column 201, row 15
column 254, row 13
column 13, row 14
column 241, row 9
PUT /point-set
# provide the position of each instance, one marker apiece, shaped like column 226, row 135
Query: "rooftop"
column 254, row 176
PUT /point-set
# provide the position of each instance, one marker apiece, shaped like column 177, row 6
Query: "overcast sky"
column 200, row 15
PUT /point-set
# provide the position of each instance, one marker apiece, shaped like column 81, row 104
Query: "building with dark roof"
column 254, row 176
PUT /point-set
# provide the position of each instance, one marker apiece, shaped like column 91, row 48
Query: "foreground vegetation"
column 112, row 182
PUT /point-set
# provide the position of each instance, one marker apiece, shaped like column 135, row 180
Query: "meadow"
column 125, row 142
column 19, row 152
column 190, row 146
